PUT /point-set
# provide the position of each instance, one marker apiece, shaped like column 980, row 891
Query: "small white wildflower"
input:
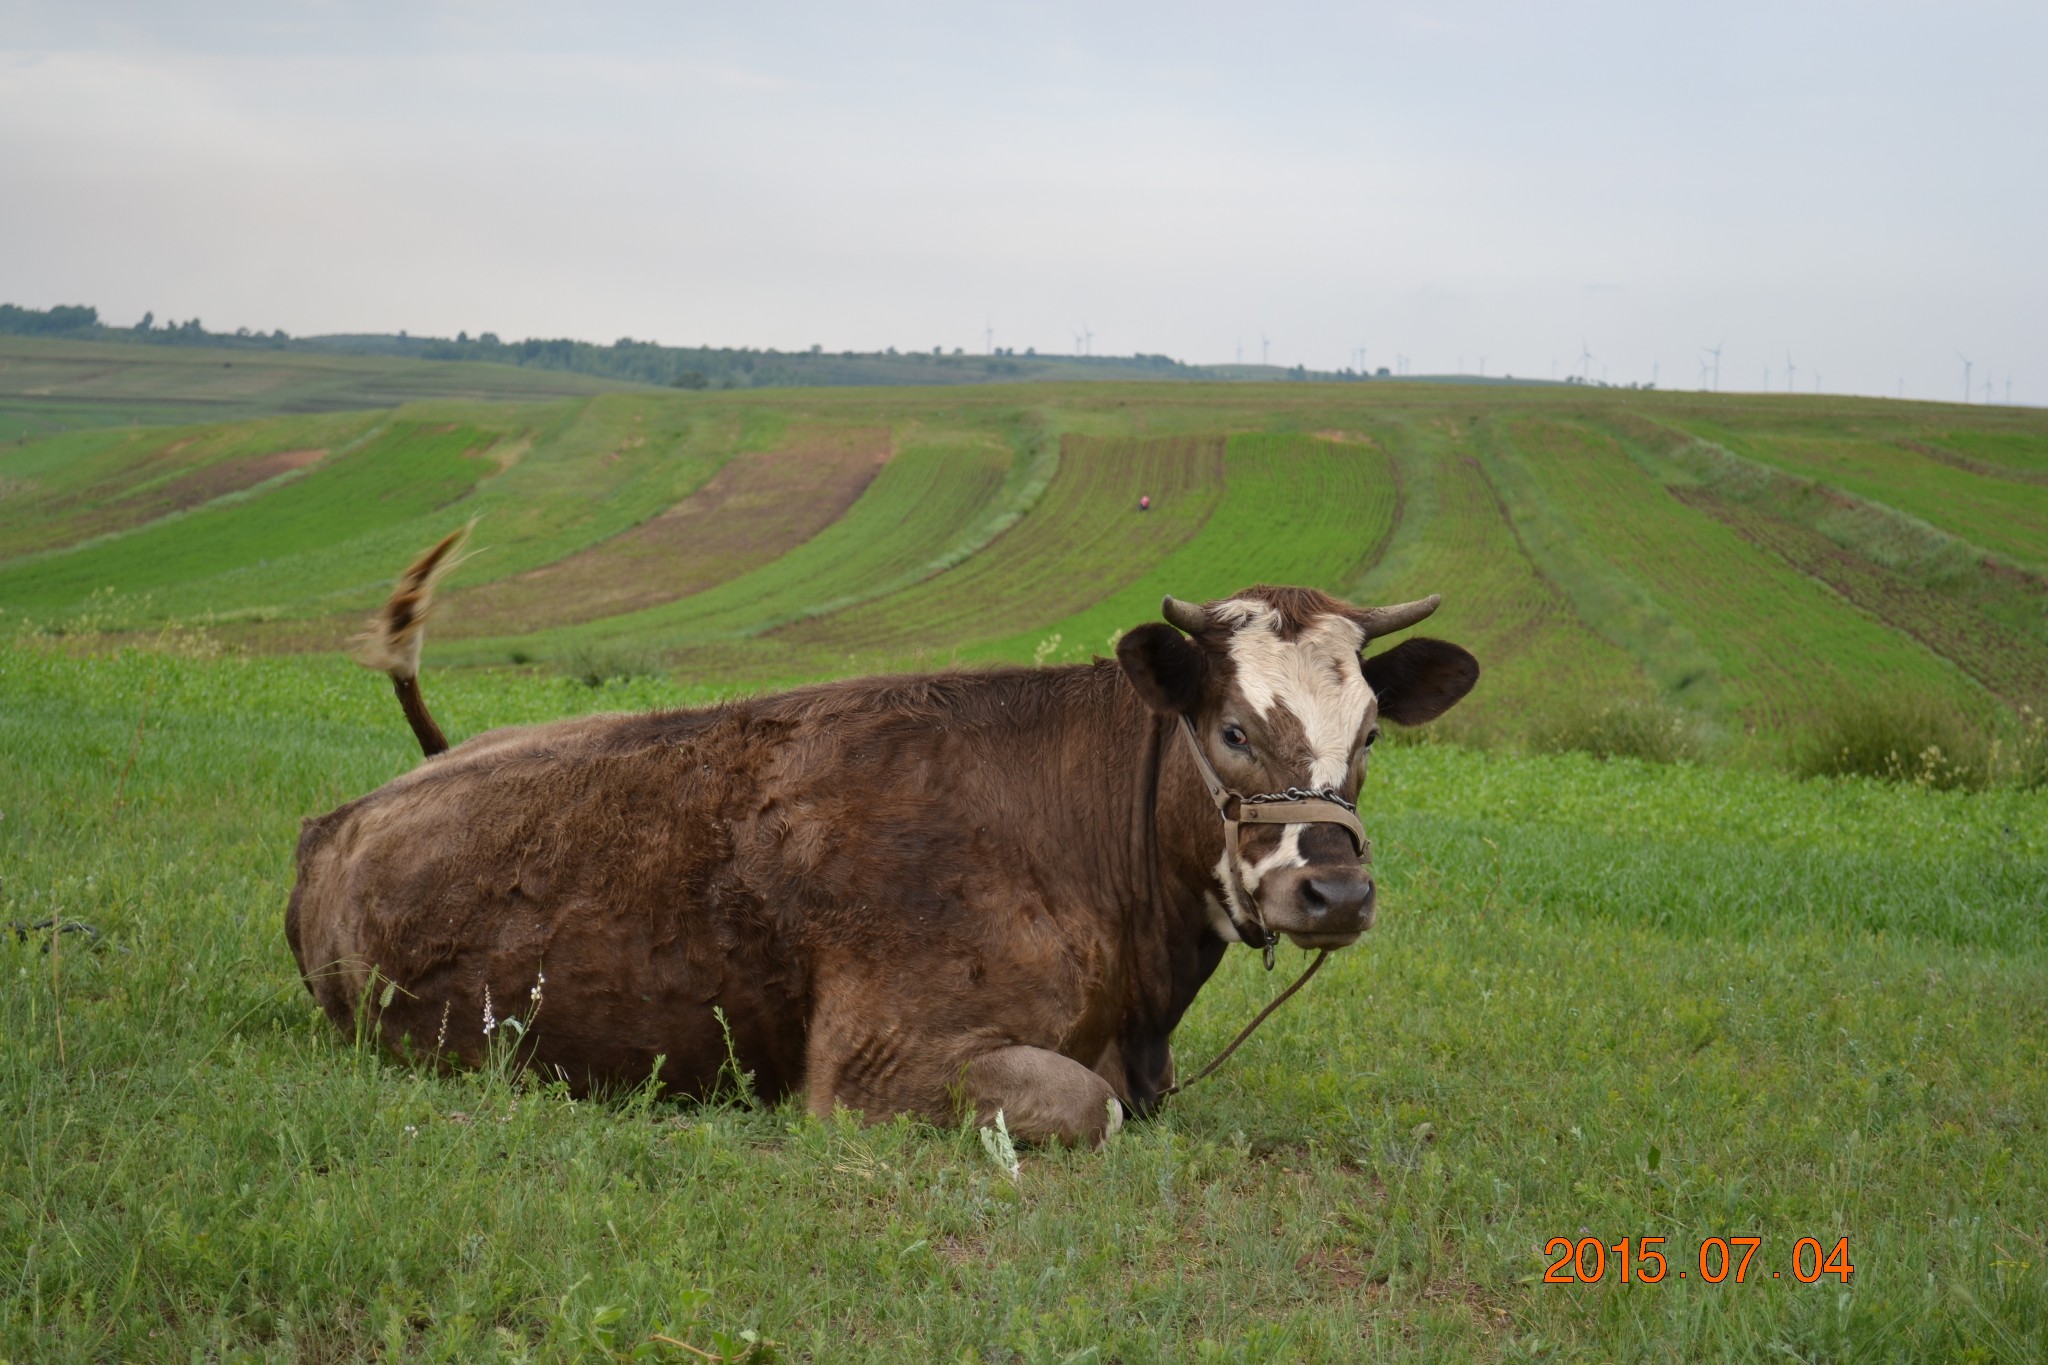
column 412, row 1130
column 441, row 1038
column 540, row 979
column 490, row 1020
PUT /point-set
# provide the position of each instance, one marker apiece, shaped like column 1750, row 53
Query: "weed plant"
column 1909, row 738
column 1650, row 730
column 595, row 665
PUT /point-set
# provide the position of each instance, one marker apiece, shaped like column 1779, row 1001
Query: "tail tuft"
column 392, row 643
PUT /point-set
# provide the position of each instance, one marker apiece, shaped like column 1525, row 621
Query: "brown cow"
column 992, row 889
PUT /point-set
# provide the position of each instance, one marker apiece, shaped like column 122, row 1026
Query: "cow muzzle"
column 1319, row 907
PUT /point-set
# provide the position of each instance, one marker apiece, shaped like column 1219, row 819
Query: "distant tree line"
column 82, row 321
column 648, row 362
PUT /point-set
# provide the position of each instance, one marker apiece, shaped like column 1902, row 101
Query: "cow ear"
column 1418, row 680
column 1163, row 666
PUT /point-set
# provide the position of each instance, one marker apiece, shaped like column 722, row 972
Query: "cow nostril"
column 1327, row 896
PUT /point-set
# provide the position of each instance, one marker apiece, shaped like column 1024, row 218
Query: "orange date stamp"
column 1643, row 1260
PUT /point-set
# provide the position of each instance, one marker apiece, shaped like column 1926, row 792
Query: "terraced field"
column 1455, row 532
column 757, row 507
column 1780, row 643
column 1294, row 509
column 1084, row 538
column 2005, row 515
column 930, row 507
column 1744, row 560
column 405, row 470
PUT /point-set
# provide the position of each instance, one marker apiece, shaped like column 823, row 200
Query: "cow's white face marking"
column 1315, row 676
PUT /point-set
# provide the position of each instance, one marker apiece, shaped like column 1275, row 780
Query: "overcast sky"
column 1861, row 186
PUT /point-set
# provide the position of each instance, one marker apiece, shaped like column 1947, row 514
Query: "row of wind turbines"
column 1710, row 370
column 1709, row 362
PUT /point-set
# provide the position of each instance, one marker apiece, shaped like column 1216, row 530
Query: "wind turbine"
column 1482, row 367
column 1703, row 370
column 1791, row 372
column 1716, row 353
column 1265, row 344
column 1087, row 340
column 1966, row 375
column 1585, row 362
column 988, row 337
column 1987, row 387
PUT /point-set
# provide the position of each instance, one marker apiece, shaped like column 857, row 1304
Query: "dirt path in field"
column 755, row 509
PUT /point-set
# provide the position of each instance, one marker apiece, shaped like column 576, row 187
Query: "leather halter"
column 1294, row 806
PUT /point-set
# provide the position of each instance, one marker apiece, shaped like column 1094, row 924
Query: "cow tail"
column 392, row 643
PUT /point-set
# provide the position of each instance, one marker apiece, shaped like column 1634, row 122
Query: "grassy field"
column 71, row 386
column 1604, row 999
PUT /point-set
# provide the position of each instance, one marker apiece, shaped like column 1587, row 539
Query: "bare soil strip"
column 756, row 508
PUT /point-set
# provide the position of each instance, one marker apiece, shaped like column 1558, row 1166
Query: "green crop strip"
column 407, row 470
column 1295, row 509
column 1456, row 539
column 1083, row 539
column 1779, row 640
column 2003, row 516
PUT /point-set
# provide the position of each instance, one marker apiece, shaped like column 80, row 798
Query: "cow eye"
column 1234, row 736
column 1372, row 736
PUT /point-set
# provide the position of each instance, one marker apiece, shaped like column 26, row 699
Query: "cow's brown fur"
column 900, row 895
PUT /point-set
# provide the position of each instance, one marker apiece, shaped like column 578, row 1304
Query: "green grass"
column 1609, row 998
column 404, row 470
column 1777, row 640
column 72, row 488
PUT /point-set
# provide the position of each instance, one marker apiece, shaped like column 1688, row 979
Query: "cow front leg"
column 1043, row 1096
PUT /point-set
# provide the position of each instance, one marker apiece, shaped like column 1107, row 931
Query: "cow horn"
column 1189, row 616
column 1386, row 620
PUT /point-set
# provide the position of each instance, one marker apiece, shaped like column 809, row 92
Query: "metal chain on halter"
column 1301, row 794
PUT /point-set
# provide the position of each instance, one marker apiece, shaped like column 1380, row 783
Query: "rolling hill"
column 1742, row 561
